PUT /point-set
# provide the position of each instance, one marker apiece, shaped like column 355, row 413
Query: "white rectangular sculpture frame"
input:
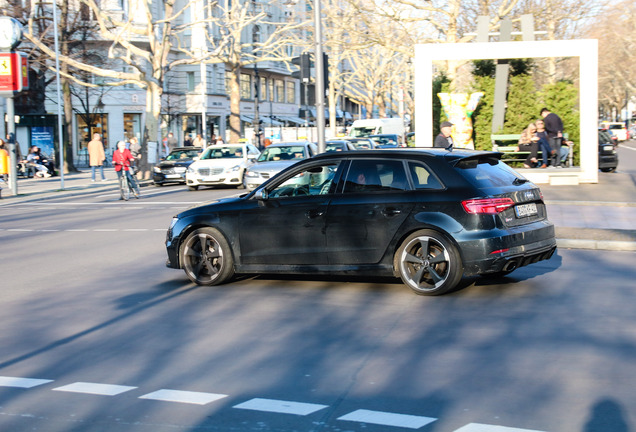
column 586, row 50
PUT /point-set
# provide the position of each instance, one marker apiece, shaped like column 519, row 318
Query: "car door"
column 287, row 227
column 361, row 221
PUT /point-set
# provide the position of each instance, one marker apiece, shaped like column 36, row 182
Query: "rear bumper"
column 512, row 249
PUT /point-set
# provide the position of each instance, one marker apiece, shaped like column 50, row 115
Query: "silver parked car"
column 276, row 158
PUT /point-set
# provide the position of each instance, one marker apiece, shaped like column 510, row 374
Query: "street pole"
column 257, row 115
column 320, row 79
column 13, row 160
column 59, row 98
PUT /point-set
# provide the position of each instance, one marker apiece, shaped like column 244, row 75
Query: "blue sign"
column 42, row 136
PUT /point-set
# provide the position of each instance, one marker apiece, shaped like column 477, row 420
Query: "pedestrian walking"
column 96, row 156
column 444, row 139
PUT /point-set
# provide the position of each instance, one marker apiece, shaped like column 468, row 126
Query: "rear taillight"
column 487, row 205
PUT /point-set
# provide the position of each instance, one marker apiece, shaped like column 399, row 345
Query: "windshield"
column 225, row 152
column 362, row 144
column 334, row 146
column 292, row 152
column 362, row 131
column 385, row 140
column 182, row 154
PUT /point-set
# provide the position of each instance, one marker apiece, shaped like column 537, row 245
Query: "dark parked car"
column 173, row 168
column 427, row 216
column 607, row 156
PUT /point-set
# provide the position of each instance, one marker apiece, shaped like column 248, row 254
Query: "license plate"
column 525, row 210
column 173, row 176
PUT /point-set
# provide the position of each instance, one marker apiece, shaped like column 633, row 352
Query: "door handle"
column 391, row 212
column 312, row 214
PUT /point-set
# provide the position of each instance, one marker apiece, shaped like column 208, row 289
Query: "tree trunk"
column 68, row 165
column 151, row 129
column 235, row 105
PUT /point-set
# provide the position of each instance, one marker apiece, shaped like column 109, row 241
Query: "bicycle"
column 127, row 185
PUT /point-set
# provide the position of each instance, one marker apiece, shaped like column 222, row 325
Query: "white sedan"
column 221, row 165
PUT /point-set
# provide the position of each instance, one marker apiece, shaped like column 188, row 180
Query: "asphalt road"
column 115, row 341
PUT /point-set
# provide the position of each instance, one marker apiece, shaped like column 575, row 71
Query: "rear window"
column 487, row 172
column 616, row 126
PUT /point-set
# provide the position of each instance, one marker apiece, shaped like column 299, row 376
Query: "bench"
column 510, row 152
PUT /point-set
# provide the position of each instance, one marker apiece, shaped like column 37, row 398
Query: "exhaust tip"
column 510, row 266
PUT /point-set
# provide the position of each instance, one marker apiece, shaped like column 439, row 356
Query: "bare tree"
column 616, row 36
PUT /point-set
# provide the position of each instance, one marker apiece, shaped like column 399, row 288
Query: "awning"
column 246, row 118
column 268, row 121
column 293, row 119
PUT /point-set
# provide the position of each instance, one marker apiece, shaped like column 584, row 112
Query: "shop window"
column 280, row 91
column 89, row 124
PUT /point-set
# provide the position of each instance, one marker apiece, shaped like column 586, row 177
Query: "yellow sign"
column 5, row 66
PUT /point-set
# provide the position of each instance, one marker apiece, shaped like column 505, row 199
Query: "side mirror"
column 261, row 195
column 251, row 156
column 196, row 158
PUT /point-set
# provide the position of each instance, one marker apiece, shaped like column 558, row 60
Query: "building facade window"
column 263, row 88
column 271, row 90
column 246, row 86
column 190, row 81
column 132, row 126
column 280, row 91
column 291, row 92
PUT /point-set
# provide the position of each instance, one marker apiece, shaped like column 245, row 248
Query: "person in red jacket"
column 122, row 159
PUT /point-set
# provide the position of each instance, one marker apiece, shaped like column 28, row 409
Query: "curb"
column 612, row 245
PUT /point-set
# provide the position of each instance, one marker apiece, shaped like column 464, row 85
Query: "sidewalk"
column 589, row 216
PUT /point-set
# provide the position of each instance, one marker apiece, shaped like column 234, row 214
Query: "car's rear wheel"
column 428, row 263
column 206, row 257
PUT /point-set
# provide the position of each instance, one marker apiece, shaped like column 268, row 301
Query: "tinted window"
column 370, row 176
column 317, row 180
column 182, row 154
column 486, row 173
column 422, row 177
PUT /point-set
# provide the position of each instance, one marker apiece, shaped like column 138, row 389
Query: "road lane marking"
column 280, row 406
column 476, row 427
column 197, row 398
column 22, row 382
column 95, row 388
column 387, row 419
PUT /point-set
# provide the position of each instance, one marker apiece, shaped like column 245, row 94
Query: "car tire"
column 428, row 263
column 158, row 184
column 193, row 188
column 206, row 257
column 608, row 169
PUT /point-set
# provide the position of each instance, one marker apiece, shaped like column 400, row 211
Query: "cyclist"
column 122, row 159
column 135, row 151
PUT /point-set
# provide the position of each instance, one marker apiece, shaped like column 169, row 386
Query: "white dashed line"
column 95, row 388
column 388, row 419
column 197, row 398
column 476, row 427
column 279, row 406
column 22, row 382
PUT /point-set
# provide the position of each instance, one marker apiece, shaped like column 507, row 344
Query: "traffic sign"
column 14, row 73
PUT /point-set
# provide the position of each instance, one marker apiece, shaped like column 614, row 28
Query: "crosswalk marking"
column 22, row 382
column 476, row 427
column 95, row 388
column 256, row 404
column 280, row 406
column 387, row 419
column 197, row 398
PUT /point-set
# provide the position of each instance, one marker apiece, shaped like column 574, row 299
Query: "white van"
column 366, row 127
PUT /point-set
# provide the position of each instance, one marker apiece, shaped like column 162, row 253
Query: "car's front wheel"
column 428, row 263
column 206, row 257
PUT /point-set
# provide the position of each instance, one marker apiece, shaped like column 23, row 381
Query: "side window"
column 316, row 180
column 371, row 176
column 422, row 177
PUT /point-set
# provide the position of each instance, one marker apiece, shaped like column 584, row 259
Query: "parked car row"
column 245, row 165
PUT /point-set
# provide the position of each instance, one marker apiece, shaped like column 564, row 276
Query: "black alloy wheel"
column 428, row 263
column 206, row 257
